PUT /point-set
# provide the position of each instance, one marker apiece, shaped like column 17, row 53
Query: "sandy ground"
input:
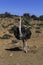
column 11, row 54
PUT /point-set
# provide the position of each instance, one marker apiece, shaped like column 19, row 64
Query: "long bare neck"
column 20, row 26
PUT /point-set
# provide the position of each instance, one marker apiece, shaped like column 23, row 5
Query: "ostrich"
column 23, row 34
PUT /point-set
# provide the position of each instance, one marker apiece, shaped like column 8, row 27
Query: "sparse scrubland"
column 11, row 49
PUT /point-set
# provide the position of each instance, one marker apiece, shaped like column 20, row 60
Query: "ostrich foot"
column 28, row 49
column 25, row 50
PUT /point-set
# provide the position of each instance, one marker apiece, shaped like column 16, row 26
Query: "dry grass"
column 18, row 57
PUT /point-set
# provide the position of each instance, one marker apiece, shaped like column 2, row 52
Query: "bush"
column 6, row 14
column 6, row 36
column 37, row 27
column 26, row 18
column 37, row 31
column 26, row 15
column 40, row 25
column 26, row 22
column 41, row 18
column 14, row 41
column 34, row 17
column 4, row 26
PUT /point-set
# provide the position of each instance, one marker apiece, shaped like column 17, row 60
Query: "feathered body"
column 26, row 33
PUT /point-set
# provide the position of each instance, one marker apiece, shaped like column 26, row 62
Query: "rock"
column 11, row 54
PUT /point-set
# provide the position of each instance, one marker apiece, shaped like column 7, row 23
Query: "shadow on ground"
column 14, row 49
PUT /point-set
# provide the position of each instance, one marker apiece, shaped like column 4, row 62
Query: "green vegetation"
column 5, row 26
column 6, row 14
column 14, row 41
column 26, row 18
column 6, row 36
column 41, row 18
column 34, row 17
column 37, row 31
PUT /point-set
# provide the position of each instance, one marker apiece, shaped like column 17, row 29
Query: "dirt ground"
column 11, row 54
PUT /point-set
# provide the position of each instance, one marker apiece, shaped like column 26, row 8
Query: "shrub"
column 6, row 14
column 37, row 31
column 14, row 41
column 40, row 25
column 34, row 17
column 37, row 27
column 4, row 26
column 26, row 15
column 6, row 36
column 41, row 18
column 26, row 18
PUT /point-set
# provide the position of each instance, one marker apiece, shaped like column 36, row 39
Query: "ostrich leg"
column 25, row 46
